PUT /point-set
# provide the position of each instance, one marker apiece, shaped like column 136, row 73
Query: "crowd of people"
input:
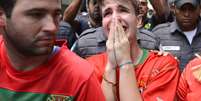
column 113, row 50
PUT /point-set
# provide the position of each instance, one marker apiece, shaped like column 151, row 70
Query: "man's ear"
column 2, row 19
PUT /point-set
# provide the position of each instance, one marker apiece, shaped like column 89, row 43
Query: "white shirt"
column 190, row 35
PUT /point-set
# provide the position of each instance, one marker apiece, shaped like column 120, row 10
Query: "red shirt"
column 64, row 76
column 189, row 87
column 157, row 76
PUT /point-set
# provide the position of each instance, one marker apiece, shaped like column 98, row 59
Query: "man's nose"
column 50, row 24
column 187, row 12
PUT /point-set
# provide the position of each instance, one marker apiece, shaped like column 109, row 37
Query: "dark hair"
column 7, row 6
column 135, row 4
column 87, row 2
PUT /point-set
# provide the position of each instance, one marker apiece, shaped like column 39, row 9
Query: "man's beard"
column 27, row 50
column 96, row 17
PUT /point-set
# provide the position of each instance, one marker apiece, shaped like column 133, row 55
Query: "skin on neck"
column 188, row 28
column 24, row 63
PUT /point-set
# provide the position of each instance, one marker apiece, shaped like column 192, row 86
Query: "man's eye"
column 36, row 14
column 58, row 14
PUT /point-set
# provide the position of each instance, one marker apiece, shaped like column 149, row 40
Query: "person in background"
column 171, row 5
column 127, row 72
column 84, row 20
column 74, row 23
column 143, row 10
column 162, row 13
column 181, row 37
column 91, row 42
column 34, row 69
column 66, row 33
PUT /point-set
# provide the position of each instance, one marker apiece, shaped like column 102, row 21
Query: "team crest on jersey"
column 141, row 85
column 60, row 98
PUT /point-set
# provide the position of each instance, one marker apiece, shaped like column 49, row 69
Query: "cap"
column 180, row 3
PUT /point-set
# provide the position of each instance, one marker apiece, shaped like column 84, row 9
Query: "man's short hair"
column 135, row 4
column 7, row 6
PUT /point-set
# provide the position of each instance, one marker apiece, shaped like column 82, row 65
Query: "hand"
column 118, row 46
column 110, row 47
column 121, row 44
column 197, row 72
column 160, row 53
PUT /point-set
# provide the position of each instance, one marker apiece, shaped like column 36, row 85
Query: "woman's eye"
column 106, row 13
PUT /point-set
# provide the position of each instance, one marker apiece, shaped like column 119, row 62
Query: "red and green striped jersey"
column 157, row 76
column 65, row 77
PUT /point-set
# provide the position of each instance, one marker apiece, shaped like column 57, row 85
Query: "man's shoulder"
column 147, row 39
column 99, row 60
column 75, row 65
column 91, row 31
column 87, row 32
column 92, row 36
column 163, row 61
column 91, row 41
column 162, row 27
column 145, row 32
column 165, row 57
column 98, row 57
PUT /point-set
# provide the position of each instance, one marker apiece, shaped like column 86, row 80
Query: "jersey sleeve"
column 163, row 81
column 91, row 90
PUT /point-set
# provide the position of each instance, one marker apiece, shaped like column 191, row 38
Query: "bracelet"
column 109, row 82
column 125, row 63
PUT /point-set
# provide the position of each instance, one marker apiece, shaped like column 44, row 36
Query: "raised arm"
column 119, row 55
column 109, row 78
column 128, row 88
column 71, row 11
column 109, row 84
